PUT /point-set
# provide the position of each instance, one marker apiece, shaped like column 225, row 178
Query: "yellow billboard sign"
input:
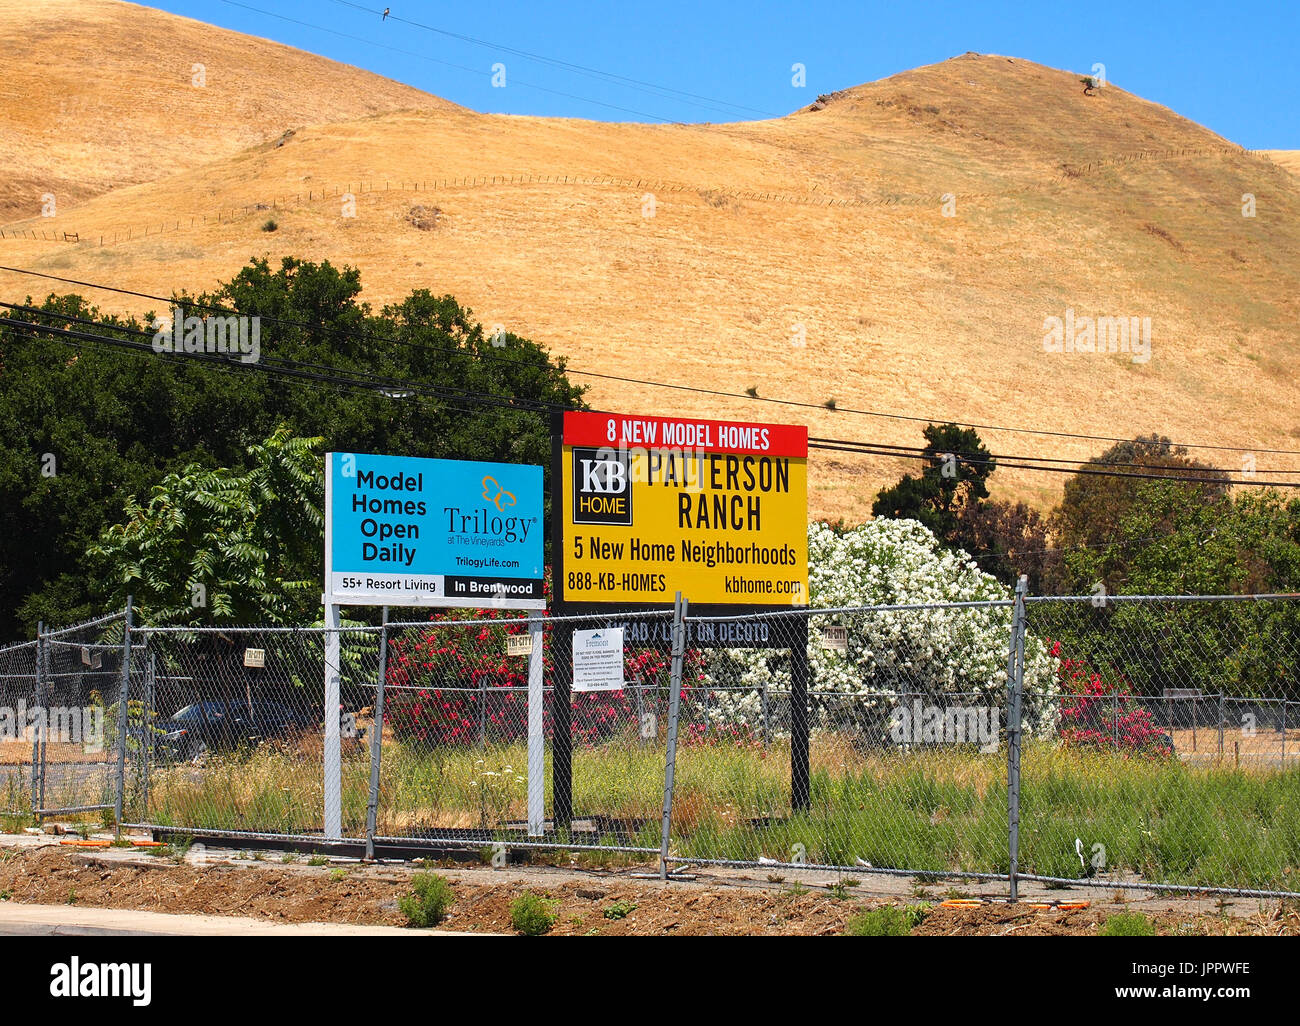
column 644, row 507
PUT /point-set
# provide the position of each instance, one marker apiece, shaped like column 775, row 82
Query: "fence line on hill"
column 1066, row 177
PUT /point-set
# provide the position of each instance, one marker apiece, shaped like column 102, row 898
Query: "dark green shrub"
column 532, row 915
column 1127, row 924
column 431, row 895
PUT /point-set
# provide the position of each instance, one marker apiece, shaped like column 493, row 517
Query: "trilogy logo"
column 602, row 486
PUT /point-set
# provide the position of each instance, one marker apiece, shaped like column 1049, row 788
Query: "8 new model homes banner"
column 407, row 531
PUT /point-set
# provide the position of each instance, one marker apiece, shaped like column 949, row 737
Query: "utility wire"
column 661, row 90
column 934, row 419
column 340, row 376
column 449, row 64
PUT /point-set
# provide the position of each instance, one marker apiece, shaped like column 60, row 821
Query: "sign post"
column 408, row 531
column 643, row 508
column 536, row 734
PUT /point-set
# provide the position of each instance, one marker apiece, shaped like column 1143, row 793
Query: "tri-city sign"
column 407, row 531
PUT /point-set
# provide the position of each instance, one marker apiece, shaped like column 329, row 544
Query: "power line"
column 696, row 389
column 448, row 64
column 909, row 450
column 344, row 377
column 83, row 340
column 866, row 449
column 707, row 101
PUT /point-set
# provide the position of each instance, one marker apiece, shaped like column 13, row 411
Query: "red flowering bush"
column 1101, row 714
column 453, row 682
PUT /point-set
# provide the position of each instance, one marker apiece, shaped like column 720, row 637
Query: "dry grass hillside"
column 831, row 219
column 98, row 94
column 1289, row 159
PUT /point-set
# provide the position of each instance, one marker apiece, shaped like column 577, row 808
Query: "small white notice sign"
column 255, row 658
column 598, row 659
column 835, row 639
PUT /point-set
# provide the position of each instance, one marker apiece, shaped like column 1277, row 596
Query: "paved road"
column 18, row 920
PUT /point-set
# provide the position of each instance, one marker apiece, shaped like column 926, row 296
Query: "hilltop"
column 807, row 257
column 98, row 94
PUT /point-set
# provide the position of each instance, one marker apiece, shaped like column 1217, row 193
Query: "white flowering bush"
column 934, row 655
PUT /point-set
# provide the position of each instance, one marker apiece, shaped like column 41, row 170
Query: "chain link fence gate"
column 1176, row 755
column 454, row 763
column 899, row 766
column 231, row 730
column 18, row 744
column 80, row 717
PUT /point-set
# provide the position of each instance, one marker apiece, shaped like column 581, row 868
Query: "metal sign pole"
column 333, row 761
column 376, row 739
column 674, row 705
column 536, row 733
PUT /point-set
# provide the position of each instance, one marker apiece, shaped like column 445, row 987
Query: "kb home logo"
column 132, row 980
column 602, row 486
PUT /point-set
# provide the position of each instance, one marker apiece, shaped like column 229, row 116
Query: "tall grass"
column 928, row 810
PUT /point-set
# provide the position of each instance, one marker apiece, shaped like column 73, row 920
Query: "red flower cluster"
column 452, row 685
column 1102, row 714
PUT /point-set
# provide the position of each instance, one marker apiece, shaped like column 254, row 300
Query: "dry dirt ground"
column 261, row 886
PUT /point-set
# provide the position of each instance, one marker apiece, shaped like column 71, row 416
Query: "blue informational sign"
column 406, row 531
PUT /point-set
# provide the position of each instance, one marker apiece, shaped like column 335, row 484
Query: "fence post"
column 800, row 771
column 121, row 718
column 674, row 705
column 376, row 739
column 146, row 743
column 38, row 766
column 332, row 761
column 536, row 732
column 1015, row 686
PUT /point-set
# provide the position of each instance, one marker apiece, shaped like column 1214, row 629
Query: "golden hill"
column 98, row 94
column 808, row 257
column 1289, row 159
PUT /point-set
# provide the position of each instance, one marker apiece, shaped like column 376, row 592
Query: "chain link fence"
column 232, row 729
column 898, row 763
column 1177, row 757
column 1139, row 742
column 18, row 755
column 462, row 698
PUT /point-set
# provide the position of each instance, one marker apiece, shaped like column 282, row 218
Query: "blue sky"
column 1229, row 66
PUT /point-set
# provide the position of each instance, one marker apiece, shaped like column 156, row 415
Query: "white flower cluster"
column 957, row 656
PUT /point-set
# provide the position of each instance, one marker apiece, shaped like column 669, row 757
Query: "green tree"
column 953, row 480
column 1008, row 540
column 222, row 546
column 1094, row 521
column 1164, row 545
column 85, row 425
